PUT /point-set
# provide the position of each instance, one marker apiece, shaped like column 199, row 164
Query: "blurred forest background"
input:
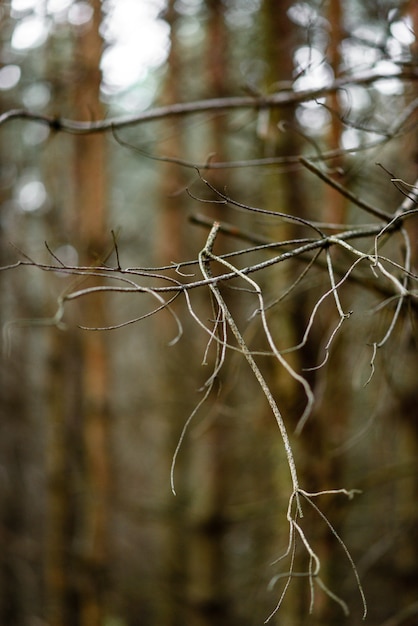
column 95, row 218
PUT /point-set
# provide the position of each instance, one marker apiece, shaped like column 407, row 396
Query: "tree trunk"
column 90, row 207
column 79, row 447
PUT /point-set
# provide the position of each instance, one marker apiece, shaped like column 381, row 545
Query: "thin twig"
column 345, row 192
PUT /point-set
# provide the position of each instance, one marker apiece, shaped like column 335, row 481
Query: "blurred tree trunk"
column 335, row 204
column 13, row 437
column 63, row 459
column 198, row 575
column 282, row 192
column 79, row 447
column 62, row 401
column 90, row 177
column 328, row 425
column 404, row 387
column 209, row 590
column 285, row 192
column 171, row 393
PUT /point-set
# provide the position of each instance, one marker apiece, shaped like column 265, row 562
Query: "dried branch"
column 205, row 257
column 345, row 192
column 277, row 100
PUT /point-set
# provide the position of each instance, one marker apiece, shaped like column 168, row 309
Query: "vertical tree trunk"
column 334, row 203
column 328, row 424
column 210, row 462
column 199, row 560
column 63, row 460
column 172, row 373
column 316, row 468
column 79, row 442
column 283, row 193
column 90, row 207
column 405, row 550
column 14, row 447
column 11, row 415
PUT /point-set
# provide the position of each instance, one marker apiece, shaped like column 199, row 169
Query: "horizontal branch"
column 276, row 100
column 300, row 251
column 305, row 257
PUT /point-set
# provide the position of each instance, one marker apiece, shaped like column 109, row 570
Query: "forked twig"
column 314, row 563
column 207, row 256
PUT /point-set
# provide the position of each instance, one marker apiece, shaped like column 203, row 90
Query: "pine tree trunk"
column 90, row 207
column 79, row 450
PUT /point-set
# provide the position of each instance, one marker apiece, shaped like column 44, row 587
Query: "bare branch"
column 281, row 99
column 345, row 192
